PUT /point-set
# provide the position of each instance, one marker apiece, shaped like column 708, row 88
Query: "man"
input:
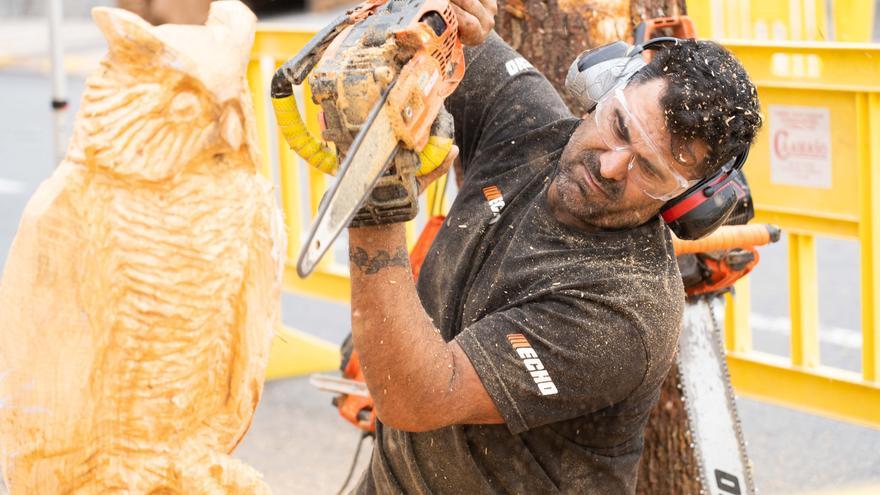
column 547, row 312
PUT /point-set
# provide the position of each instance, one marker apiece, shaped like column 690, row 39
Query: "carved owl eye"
column 185, row 106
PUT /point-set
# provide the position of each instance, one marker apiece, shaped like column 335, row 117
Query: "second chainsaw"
column 380, row 73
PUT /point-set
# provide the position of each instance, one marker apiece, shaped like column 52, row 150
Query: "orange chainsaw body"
column 356, row 409
column 410, row 47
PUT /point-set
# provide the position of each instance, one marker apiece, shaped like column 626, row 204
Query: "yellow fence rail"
column 835, row 88
column 800, row 20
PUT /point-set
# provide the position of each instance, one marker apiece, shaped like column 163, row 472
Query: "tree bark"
column 669, row 463
column 550, row 34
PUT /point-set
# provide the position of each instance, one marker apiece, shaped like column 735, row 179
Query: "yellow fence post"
column 256, row 79
column 853, row 20
column 814, row 23
column 804, row 299
column 868, row 126
column 288, row 176
column 737, row 306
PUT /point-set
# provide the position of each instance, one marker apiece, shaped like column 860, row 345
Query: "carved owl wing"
column 47, row 343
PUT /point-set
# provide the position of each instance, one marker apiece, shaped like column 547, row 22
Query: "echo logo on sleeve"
column 495, row 201
column 533, row 365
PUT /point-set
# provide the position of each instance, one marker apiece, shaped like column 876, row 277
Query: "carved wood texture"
column 142, row 288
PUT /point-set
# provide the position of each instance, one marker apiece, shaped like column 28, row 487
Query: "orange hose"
column 729, row 237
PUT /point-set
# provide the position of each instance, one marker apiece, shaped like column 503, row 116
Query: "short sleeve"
column 502, row 95
column 556, row 359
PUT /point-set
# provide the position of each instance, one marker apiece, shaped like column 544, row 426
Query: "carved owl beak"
column 230, row 128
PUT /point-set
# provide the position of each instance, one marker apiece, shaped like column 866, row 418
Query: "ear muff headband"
column 595, row 72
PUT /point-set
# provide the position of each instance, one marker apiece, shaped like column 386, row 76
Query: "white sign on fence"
column 800, row 146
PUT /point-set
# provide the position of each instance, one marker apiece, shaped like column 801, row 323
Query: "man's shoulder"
column 631, row 273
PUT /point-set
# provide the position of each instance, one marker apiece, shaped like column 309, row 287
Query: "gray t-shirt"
column 570, row 332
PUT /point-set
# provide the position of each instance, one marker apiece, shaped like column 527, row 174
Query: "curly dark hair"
column 708, row 97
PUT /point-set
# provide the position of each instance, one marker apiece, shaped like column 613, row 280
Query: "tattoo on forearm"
column 369, row 266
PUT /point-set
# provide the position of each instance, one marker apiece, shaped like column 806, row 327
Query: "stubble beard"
column 592, row 208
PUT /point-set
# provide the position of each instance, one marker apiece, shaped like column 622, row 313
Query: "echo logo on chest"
column 533, row 365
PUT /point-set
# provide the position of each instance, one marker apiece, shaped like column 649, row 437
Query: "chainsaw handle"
column 439, row 143
column 681, row 25
column 729, row 237
column 300, row 139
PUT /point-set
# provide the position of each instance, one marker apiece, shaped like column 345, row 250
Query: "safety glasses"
column 623, row 132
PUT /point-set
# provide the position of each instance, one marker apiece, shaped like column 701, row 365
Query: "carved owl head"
column 168, row 95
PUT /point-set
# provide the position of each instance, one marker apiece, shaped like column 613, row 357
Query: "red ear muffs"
column 704, row 207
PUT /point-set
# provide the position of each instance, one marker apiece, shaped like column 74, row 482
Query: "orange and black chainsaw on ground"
column 380, row 73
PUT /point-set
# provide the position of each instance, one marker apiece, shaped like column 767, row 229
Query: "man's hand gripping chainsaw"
column 380, row 73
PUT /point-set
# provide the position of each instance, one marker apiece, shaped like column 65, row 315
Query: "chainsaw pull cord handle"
column 729, row 237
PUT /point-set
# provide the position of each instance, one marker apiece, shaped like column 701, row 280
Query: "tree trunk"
column 550, row 33
column 669, row 463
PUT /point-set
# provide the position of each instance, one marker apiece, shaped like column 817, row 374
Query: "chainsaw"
column 380, row 73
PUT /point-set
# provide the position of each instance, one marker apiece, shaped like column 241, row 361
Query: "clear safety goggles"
column 623, row 132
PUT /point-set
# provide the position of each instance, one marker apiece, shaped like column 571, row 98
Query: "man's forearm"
column 406, row 362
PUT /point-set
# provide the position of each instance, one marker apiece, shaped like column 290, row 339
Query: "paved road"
column 302, row 447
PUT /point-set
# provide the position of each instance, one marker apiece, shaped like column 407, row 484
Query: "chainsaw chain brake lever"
column 294, row 71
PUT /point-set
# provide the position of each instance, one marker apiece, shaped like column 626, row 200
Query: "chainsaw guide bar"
column 375, row 147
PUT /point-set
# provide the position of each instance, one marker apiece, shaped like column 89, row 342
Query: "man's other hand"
column 476, row 18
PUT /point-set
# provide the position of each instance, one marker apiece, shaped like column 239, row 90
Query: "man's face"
column 591, row 189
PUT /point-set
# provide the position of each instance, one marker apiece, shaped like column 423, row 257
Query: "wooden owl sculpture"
column 141, row 291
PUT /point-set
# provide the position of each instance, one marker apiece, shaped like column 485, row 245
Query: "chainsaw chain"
column 729, row 393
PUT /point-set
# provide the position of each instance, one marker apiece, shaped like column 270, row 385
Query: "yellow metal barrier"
column 293, row 352
column 822, row 101
column 271, row 49
column 804, row 20
column 836, row 82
